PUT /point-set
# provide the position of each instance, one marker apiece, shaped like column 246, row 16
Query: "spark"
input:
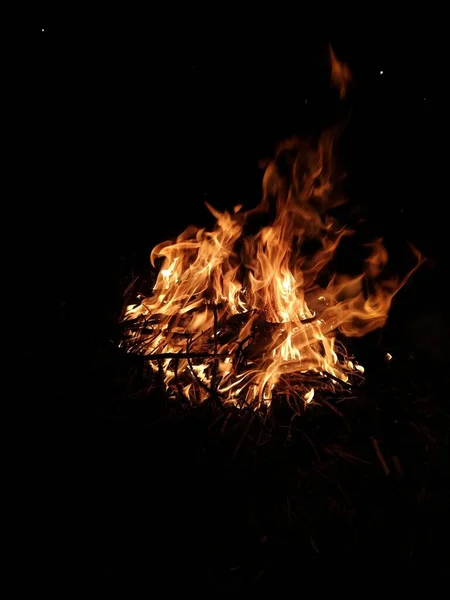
column 388, row 356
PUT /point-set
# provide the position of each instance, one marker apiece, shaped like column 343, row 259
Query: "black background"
column 129, row 128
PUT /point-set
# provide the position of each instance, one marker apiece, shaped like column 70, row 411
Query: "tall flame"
column 249, row 316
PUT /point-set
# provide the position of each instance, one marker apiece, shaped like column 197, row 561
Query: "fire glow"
column 245, row 318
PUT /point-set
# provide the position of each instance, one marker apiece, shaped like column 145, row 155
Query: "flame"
column 244, row 317
column 340, row 74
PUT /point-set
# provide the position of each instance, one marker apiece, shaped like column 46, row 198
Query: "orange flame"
column 247, row 317
column 340, row 74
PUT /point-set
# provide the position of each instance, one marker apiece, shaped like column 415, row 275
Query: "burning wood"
column 246, row 317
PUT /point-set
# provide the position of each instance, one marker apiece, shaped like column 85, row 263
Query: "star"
column 381, row 72
column 42, row 30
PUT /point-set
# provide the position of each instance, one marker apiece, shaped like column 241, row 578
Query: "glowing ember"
column 247, row 317
column 309, row 395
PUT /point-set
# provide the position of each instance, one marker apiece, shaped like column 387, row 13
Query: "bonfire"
column 244, row 318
